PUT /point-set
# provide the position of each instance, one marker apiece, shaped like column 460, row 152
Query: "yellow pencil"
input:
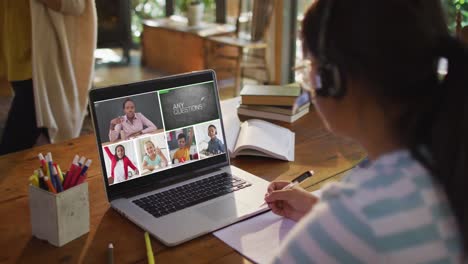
column 34, row 180
column 59, row 171
column 149, row 249
column 47, row 169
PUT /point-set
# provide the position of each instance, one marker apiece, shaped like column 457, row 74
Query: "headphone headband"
column 323, row 31
column 331, row 80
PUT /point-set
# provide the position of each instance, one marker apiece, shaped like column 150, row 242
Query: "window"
column 145, row 9
column 302, row 6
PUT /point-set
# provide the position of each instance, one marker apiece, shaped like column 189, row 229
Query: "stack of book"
column 275, row 102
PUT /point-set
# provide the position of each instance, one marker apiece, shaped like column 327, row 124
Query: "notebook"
column 164, row 159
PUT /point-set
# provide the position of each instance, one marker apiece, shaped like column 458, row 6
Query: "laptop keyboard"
column 163, row 203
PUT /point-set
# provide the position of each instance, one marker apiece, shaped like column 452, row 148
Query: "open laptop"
column 164, row 158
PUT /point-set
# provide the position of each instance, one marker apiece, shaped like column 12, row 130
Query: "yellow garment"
column 15, row 40
column 182, row 153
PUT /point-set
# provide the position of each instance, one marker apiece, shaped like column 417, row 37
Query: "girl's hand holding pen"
column 293, row 203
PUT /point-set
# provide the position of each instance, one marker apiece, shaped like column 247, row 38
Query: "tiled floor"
column 111, row 74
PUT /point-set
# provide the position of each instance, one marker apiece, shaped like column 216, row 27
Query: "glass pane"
column 245, row 15
column 302, row 6
column 145, row 9
column 451, row 7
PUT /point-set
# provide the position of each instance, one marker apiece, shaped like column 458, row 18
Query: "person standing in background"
column 46, row 53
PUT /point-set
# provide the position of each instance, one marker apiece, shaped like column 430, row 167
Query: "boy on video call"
column 183, row 153
column 215, row 145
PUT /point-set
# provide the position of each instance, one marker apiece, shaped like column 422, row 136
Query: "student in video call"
column 378, row 81
column 119, row 164
column 154, row 157
column 183, row 153
column 132, row 124
column 215, row 145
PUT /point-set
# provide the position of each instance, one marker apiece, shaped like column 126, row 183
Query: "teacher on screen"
column 131, row 124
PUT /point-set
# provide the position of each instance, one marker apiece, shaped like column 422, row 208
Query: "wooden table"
column 316, row 149
column 170, row 46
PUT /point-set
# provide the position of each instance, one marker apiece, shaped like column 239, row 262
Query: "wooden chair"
column 244, row 50
column 462, row 32
column 464, row 35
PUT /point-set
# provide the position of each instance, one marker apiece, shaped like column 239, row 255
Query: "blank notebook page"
column 259, row 237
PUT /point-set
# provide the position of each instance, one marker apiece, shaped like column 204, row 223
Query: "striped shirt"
column 390, row 212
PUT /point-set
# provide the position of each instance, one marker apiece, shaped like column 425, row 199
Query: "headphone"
column 330, row 81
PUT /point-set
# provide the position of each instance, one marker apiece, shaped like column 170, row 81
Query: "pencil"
column 110, row 254
column 50, row 185
column 149, row 249
column 34, row 180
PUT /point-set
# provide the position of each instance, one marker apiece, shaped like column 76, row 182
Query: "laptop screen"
column 152, row 131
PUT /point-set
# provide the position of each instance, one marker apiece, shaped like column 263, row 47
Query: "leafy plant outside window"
column 451, row 8
column 150, row 9
column 145, row 9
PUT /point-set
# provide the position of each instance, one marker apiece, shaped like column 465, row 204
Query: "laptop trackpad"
column 223, row 209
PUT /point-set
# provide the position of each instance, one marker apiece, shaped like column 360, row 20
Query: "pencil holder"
column 59, row 218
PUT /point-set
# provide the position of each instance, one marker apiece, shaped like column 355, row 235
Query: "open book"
column 255, row 137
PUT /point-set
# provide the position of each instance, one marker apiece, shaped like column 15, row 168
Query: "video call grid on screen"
column 172, row 111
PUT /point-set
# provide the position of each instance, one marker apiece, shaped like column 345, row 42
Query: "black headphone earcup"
column 339, row 87
column 331, row 81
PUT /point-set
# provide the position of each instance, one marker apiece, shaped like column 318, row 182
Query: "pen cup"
column 59, row 218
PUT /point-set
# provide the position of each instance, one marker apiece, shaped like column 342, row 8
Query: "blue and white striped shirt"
column 390, row 212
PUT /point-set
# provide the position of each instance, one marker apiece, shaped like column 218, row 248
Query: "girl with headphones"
column 374, row 72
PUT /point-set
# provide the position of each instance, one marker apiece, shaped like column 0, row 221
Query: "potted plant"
column 195, row 10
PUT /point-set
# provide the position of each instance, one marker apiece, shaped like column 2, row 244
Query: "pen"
column 59, row 187
column 50, row 185
column 50, row 171
column 149, row 250
column 81, row 161
column 110, row 254
column 296, row 181
column 59, row 172
column 50, row 165
column 43, row 162
column 302, row 177
column 81, row 175
column 74, row 167
column 42, row 183
column 81, row 179
column 74, row 162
